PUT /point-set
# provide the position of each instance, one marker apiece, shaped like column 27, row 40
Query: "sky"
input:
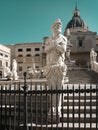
column 25, row 21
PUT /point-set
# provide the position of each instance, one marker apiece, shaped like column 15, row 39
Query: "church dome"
column 76, row 21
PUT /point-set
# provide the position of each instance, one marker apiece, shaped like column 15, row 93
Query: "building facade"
column 81, row 38
column 4, row 59
column 27, row 55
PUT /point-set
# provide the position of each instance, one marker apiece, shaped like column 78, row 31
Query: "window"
column 37, row 54
column 6, row 64
column 37, row 49
column 80, row 43
column 28, row 55
column 20, row 68
column 28, row 67
column 37, row 58
column 20, row 50
column 20, row 55
column 20, row 62
column 97, row 41
column 0, row 74
column 80, row 40
column 0, row 63
column 28, row 49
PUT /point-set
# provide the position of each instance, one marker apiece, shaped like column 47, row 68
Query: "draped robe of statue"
column 93, row 56
column 55, row 47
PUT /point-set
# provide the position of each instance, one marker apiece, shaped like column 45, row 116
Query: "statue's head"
column 57, row 26
column 92, row 49
column 14, row 60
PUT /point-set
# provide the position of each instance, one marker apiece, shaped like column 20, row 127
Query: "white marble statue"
column 55, row 71
column 93, row 56
column 33, row 73
column 9, row 73
column 4, row 71
column 14, row 70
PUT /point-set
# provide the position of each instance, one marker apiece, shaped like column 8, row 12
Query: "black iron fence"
column 25, row 106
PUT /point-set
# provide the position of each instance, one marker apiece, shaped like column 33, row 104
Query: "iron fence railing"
column 25, row 106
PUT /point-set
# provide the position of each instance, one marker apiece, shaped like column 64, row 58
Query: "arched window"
column 20, row 55
column 28, row 55
column 37, row 58
column 37, row 54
